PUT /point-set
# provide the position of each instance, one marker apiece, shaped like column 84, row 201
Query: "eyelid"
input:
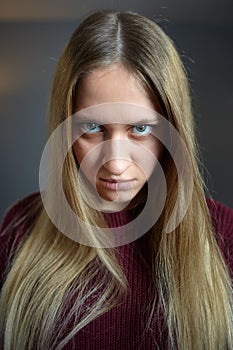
column 95, row 126
column 143, row 133
column 81, row 123
column 143, row 124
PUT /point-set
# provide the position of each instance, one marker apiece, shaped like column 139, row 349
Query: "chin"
column 116, row 198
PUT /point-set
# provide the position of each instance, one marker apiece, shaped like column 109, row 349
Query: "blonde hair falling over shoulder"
column 192, row 282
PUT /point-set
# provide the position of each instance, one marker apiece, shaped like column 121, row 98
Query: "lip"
column 120, row 184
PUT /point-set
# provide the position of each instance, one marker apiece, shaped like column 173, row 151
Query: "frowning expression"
column 117, row 151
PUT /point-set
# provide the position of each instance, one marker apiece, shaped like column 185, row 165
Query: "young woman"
column 156, row 290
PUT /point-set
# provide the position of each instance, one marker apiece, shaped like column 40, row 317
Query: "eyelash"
column 84, row 127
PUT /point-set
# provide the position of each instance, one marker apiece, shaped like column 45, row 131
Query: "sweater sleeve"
column 13, row 229
column 222, row 218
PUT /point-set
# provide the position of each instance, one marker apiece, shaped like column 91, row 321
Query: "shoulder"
column 222, row 217
column 18, row 213
column 16, row 222
column 222, row 220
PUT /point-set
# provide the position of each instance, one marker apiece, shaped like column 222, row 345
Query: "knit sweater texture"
column 122, row 327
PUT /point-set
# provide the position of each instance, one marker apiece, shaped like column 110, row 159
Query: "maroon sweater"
column 123, row 327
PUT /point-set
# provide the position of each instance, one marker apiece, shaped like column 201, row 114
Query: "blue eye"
column 142, row 130
column 90, row 127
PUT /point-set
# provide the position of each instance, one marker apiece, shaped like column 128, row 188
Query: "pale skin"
column 112, row 153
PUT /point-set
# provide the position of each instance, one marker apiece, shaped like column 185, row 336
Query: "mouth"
column 120, row 184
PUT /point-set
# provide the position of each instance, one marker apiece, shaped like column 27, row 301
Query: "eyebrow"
column 103, row 121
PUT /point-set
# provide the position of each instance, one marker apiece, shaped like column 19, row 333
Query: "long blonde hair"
column 192, row 281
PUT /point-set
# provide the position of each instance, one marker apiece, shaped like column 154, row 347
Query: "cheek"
column 148, row 156
column 156, row 148
column 86, row 157
column 79, row 152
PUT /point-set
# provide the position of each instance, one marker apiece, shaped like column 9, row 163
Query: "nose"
column 116, row 156
column 116, row 166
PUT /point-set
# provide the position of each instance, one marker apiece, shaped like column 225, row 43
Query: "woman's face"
column 112, row 152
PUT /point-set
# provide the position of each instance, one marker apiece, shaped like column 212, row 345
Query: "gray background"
column 32, row 36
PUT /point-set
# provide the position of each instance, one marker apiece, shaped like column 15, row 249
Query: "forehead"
column 112, row 84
